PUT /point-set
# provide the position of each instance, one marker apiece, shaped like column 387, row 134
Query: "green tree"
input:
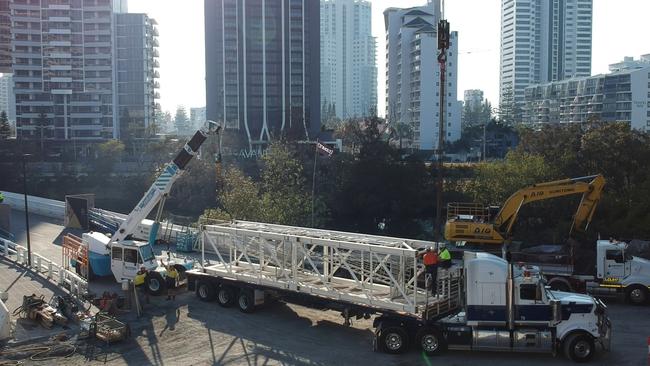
column 403, row 131
column 107, row 155
column 496, row 181
column 280, row 197
column 5, row 128
column 283, row 187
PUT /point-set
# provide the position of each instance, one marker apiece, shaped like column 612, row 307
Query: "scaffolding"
column 379, row 272
column 74, row 255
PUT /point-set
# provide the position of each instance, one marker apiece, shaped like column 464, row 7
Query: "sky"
column 620, row 29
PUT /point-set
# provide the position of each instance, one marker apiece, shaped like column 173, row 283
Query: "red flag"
column 322, row 149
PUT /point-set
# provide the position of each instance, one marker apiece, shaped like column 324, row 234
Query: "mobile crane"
column 122, row 256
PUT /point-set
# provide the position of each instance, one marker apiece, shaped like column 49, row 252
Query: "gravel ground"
column 190, row 332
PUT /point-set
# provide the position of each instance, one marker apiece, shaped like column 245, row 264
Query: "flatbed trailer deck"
column 359, row 274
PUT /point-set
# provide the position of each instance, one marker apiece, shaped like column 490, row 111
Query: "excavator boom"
column 470, row 222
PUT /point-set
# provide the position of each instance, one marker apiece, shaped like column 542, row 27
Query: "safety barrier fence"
column 51, row 271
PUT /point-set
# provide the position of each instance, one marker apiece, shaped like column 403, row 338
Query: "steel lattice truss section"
column 375, row 271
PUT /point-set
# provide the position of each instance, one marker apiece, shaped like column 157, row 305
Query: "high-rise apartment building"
column 263, row 67
column 197, row 117
column 543, row 41
column 623, row 95
column 7, row 99
column 5, row 37
column 413, row 75
column 473, row 98
column 136, row 42
column 63, row 69
column 82, row 70
column 348, row 58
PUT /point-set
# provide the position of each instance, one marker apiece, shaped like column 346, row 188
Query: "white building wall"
column 7, row 98
column 544, row 41
column 348, row 57
column 413, row 75
column 623, row 95
column 640, row 87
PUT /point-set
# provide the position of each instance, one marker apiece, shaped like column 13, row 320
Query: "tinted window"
column 131, row 255
column 117, row 253
column 614, row 255
column 528, row 292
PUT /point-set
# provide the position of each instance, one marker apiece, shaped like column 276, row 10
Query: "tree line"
column 371, row 187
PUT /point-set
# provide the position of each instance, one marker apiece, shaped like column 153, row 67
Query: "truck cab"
column 618, row 272
column 508, row 308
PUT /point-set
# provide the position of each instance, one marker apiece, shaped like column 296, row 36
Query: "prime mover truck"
column 482, row 303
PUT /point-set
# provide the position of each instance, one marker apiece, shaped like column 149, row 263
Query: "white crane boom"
column 163, row 184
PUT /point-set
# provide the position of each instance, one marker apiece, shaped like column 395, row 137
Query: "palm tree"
column 403, row 131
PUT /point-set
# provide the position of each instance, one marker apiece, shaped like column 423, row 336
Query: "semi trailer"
column 483, row 302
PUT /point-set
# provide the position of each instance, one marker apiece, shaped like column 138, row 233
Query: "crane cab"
column 128, row 256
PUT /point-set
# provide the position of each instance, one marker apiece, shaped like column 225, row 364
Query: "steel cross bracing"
column 375, row 271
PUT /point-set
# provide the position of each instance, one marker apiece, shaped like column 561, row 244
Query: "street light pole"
column 29, row 245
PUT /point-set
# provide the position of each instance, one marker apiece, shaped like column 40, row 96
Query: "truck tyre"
column 579, row 347
column 431, row 341
column 637, row 295
column 225, row 296
column 393, row 340
column 246, row 301
column 205, row 291
column 155, row 283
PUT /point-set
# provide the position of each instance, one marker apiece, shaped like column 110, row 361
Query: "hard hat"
column 171, row 263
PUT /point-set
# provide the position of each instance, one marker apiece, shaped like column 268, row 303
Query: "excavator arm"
column 463, row 227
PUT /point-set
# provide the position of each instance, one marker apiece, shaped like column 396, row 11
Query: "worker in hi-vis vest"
column 139, row 281
column 430, row 261
column 444, row 256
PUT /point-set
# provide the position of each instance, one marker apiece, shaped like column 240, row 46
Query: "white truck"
column 121, row 255
column 616, row 273
column 483, row 302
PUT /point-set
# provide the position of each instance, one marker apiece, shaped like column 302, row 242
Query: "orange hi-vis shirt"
column 430, row 258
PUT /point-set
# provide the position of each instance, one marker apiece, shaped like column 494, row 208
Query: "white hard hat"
column 171, row 263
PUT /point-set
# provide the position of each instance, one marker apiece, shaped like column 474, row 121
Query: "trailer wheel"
column 579, row 347
column 637, row 295
column 246, row 301
column 393, row 340
column 205, row 291
column 226, row 296
column 155, row 283
column 431, row 341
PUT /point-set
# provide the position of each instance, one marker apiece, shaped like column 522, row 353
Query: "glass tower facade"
column 262, row 67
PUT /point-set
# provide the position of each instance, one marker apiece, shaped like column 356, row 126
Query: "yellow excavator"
column 471, row 223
